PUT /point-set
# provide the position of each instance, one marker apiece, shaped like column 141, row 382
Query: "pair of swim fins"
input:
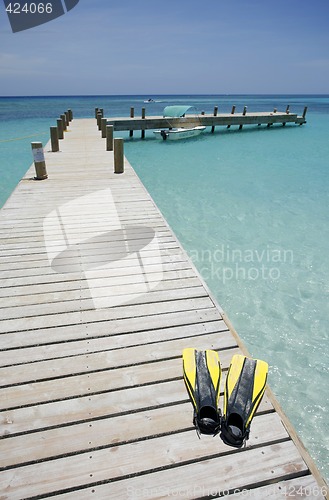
column 244, row 389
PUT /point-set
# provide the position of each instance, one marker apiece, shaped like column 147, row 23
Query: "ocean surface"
column 250, row 207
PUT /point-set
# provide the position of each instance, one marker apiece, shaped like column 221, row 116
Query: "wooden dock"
column 209, row 120
column 98, row 300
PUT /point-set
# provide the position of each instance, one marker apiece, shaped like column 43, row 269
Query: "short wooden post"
column 63, row 117
column 99, row 118
column 275, row 110
column 101, row 110
column 215, row 114
column 109, row 138
column 243, row 114
column 304, row 115
column 60, row 129
column 96, row 112
column 54, row 139
column 103, row 127
column 287, row 109
column 70, row 112
column 39, row 161
column 118, row 156
column 202, row 112
column 232, row 113
column 66, row 113
column 132, row 114
column 143, row 118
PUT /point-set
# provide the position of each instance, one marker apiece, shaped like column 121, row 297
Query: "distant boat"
column 151, row 100
column 175, row 133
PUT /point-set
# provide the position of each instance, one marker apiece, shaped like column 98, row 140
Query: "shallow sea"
column 251, row 208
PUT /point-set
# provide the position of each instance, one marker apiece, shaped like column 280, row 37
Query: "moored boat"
column 175, row 133
column 178, row 133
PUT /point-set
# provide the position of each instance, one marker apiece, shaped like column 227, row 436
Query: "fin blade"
column 189, row 371
column 202, row 373
column 244, row 389
column 215, row 371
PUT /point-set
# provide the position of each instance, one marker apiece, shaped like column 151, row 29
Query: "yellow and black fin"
column 202, row 374
column 244, row 389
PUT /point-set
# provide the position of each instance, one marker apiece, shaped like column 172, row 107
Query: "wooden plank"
column 166, row 290
column 123, row 429
column 60, row 367
column 94, row 315
column 237, row 470
column 167, row 319
column 104, row 287
column 107, row 342
column 38, row 272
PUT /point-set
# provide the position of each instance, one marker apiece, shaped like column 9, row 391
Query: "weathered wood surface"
column 92, row 400
column 209, row 120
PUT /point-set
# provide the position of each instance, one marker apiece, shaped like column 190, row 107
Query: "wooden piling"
column 70, row 112
column 118, row 156
column 54, row 139
column 63, row 118
column 132, row 114
column 109, row 138
column 60, row 128
column 303, row 116
column 243, row 114
column 287, row 109
column 39, row 161
column 232, row 113
column 215, row 114
column 99, row 118
column 143, row 118
column 66, row 113
column 103, row 127
column 96, row 112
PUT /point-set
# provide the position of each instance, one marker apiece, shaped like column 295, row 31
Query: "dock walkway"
column 98, row 300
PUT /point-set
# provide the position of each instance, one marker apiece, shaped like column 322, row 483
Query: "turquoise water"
column 251, row 210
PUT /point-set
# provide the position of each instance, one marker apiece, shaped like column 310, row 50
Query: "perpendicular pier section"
column 209, row 120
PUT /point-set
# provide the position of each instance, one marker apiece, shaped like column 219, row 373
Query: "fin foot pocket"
column 202, row 373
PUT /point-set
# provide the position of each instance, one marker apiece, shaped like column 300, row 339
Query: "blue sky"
column 171, row 46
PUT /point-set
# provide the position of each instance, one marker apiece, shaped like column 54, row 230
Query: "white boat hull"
column 174, row 134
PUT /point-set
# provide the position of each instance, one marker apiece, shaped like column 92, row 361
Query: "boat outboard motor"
column 163, row 135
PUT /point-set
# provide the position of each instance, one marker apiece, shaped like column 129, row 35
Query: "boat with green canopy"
column 174, row 133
